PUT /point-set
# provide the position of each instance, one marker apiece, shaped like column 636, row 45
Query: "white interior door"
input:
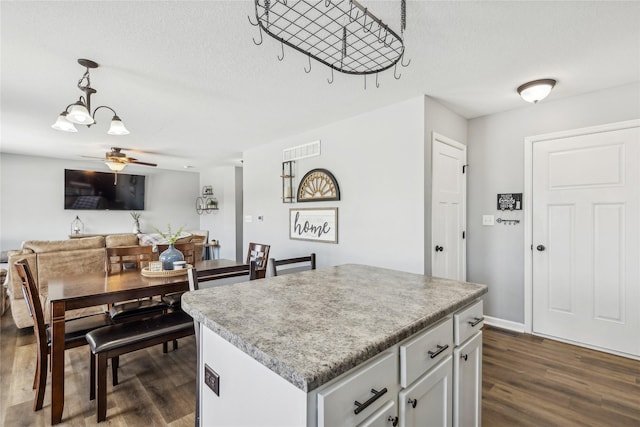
column 586, row 234
column 448, row 209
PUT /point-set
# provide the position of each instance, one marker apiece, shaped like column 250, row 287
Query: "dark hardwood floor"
column 528, row 381
column 533, row 381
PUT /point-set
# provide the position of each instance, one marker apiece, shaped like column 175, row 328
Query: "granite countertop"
column 310, row 327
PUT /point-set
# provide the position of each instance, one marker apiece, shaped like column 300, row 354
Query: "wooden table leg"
column 57, row 361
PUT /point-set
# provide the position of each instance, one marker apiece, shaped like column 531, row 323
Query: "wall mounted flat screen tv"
column 97, row 191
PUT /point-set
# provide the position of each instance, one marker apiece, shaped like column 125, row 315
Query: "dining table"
column 71, row 291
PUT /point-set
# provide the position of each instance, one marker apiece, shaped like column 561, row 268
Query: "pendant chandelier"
column 80, row 111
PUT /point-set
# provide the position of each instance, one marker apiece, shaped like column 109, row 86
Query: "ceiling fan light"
column 115, row 166
column 117, row 127
column 536, row 90
column 63, row 124
column 80, row 115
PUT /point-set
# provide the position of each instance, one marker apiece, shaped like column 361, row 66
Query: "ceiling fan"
column 116, row 160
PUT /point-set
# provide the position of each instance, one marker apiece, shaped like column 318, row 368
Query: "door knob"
column 439, row 248
column 540, row 248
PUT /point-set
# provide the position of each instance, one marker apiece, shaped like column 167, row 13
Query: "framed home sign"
column 314, row 224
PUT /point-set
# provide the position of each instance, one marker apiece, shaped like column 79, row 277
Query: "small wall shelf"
column 288, row 192
column 206, row 203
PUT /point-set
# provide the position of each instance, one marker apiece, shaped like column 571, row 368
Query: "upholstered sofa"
column 55, row 258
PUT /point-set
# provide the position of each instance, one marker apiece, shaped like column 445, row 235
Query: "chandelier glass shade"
column 63, row 124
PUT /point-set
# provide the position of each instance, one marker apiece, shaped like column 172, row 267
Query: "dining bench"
column 115, row 340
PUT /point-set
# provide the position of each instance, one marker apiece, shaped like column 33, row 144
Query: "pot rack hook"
column 261, row 39
column 331, row 81
column 282, row 47
column 395, row 67
column 305, row 68
column 377, row 84
column 365, row 81
column 251, row 22
column 402, row 61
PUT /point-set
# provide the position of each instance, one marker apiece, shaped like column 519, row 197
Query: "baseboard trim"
column 504, row 324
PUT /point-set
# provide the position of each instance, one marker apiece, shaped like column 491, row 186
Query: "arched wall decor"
column 318, row 185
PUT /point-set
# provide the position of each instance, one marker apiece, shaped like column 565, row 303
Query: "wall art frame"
column 314, row 224
column 318, row 185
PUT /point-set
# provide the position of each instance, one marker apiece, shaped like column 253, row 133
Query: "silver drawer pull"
column 362, row 406
column 475, row 321
column 441, row 348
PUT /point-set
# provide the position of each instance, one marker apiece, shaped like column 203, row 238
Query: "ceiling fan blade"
column 143, row 163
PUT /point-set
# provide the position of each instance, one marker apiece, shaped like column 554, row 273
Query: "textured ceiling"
column 191, row 86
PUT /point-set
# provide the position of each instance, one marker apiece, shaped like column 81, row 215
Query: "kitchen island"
column 278, row 351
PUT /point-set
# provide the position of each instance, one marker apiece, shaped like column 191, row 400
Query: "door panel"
column 448, row 209
column 586, row 214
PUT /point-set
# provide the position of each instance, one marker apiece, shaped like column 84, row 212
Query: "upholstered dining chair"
column 259, row 253
column 75, row 330
column 292, row 265
column 125, row 258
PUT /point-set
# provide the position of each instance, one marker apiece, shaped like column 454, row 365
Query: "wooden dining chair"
column 75, row 330
column 259, row 253
column 120, row 259
column 292, row 265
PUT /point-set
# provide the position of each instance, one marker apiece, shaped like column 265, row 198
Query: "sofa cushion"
column 56, row 264
column 114, row 240
column 40, row 246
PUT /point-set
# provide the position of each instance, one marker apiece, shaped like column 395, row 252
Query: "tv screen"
column 97, row 191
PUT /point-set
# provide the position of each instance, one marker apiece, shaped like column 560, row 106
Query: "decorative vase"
column 169, row 256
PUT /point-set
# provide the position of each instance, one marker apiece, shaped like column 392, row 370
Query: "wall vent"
column 311, row 149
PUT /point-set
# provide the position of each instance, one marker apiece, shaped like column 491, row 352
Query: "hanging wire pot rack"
column 341, row 34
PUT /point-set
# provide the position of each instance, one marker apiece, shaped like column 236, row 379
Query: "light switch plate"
column 488, row 220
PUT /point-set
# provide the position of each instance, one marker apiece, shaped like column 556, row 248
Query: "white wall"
column 496, row 158
column 32, row 201
column 378, row 161
column 222, row 223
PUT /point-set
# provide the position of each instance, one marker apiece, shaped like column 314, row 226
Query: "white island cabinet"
column 348, row 345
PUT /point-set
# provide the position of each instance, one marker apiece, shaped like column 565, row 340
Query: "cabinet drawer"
column 384, row 417
column 467, row 322
column 336, row 404
column 424, row 351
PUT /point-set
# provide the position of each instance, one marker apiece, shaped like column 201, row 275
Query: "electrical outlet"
column 488, row 220
column 212, row 379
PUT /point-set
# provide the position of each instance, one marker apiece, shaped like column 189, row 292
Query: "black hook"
column 377, row 84
column 261, row 40
column 305, row 68
column 395, row 67
column 402, row 61
column 331, row 81
column 327, row 3
column 249, row 18
column 365, row 81
column 282, row 46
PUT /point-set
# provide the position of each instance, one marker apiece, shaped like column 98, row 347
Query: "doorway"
column 448, row 208
column 583, row 232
